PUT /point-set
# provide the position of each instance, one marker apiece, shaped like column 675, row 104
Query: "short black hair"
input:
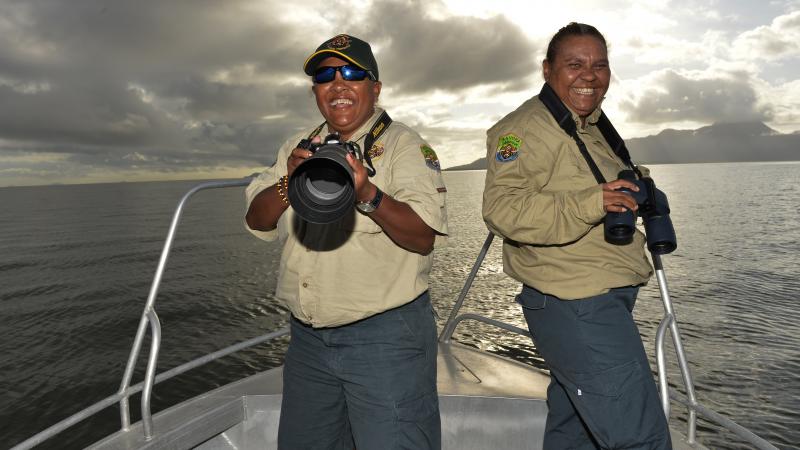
column 572, row 29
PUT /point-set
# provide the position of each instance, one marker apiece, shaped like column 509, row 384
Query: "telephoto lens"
column 322, row 188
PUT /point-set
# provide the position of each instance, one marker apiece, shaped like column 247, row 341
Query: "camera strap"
column 374, row 133
column 563, row 117
column 306, row 143
column 316, row 131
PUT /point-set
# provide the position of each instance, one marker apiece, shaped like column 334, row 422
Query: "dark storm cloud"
column 256, row 143
column 680, row 98
column 77, row 112
column 218, row 101
column 181, row 84
column 423, row 54
column 74, row 77
column 145, row 38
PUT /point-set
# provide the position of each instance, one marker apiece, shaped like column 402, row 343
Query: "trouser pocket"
column 530, row 298
column 619, row 405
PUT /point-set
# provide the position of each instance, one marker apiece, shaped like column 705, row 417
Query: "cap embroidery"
column 431, row 160
column 339, row 42
column 508, row 148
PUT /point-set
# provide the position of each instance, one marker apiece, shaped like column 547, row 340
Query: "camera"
column 322, row 188
column 654, row 210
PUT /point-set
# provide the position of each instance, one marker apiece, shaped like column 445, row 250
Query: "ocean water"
column 77, row 263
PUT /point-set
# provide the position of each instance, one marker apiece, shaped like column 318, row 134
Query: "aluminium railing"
column 149, row 317
column 668, row 322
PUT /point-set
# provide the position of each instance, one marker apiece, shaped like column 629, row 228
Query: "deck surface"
column 486, row 402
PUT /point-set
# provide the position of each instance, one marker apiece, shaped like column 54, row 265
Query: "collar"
column 591, row 119
column 366, row 126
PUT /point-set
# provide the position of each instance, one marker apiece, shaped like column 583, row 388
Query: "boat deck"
column 486, row 402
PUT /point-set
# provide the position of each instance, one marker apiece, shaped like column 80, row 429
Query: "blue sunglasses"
column 349, row 73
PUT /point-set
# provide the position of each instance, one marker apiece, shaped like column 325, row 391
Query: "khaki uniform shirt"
column 542, row 198
column 339, row 273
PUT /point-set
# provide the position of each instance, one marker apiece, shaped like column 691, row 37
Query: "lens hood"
column 322, row 189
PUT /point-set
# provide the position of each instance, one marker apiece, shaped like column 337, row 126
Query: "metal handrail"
column 713, row 416
column 668, row 322
column 450, row 325
column 150, row 317
column 479, row 318
column 124, row 407
column 147, row 391
column 136, row 388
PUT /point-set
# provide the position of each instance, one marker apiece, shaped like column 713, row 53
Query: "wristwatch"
column 372, row 205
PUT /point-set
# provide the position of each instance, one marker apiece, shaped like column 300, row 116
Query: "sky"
column 109, row 91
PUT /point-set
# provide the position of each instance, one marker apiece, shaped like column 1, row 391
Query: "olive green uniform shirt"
column 542, row 198
column 338, row 273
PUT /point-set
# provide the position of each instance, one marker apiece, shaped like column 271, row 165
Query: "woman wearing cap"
column 361, row 365
column 547, row 200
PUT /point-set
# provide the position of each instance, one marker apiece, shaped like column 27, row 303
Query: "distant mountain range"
column 721, row 142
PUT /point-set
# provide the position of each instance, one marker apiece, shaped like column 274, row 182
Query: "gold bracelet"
column 283, row 187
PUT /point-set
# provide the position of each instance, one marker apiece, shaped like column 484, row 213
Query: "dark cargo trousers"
column 602, row 393
column 369, row 385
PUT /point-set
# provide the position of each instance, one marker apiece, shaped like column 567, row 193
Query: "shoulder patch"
column 431, row 160
column 376, row 151
column 508, row 148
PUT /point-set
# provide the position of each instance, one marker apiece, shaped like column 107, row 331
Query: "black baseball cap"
column 346, row 47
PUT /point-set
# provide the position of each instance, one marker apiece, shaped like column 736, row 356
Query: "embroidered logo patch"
column 508, row 148
column 431, row 160
column 339, row 42
column 376, row 151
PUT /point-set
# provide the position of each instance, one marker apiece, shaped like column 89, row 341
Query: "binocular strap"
column 564, row 119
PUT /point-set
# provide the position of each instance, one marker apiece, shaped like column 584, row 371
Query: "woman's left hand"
column 365, row 190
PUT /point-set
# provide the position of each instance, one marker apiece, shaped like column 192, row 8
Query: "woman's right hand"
column 299, row 155
column 616, row 201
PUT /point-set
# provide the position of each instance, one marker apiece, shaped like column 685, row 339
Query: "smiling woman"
column 345, row 104
column 546, row 194
column 363, row 333
column 577, row 69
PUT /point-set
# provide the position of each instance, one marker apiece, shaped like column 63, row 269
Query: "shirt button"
column 305, row 285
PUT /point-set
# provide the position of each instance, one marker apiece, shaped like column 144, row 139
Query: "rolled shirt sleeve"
column 416, row 180
column 267, row 178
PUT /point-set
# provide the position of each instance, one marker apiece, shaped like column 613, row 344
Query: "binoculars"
column 322, row 188
column 654, row 210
